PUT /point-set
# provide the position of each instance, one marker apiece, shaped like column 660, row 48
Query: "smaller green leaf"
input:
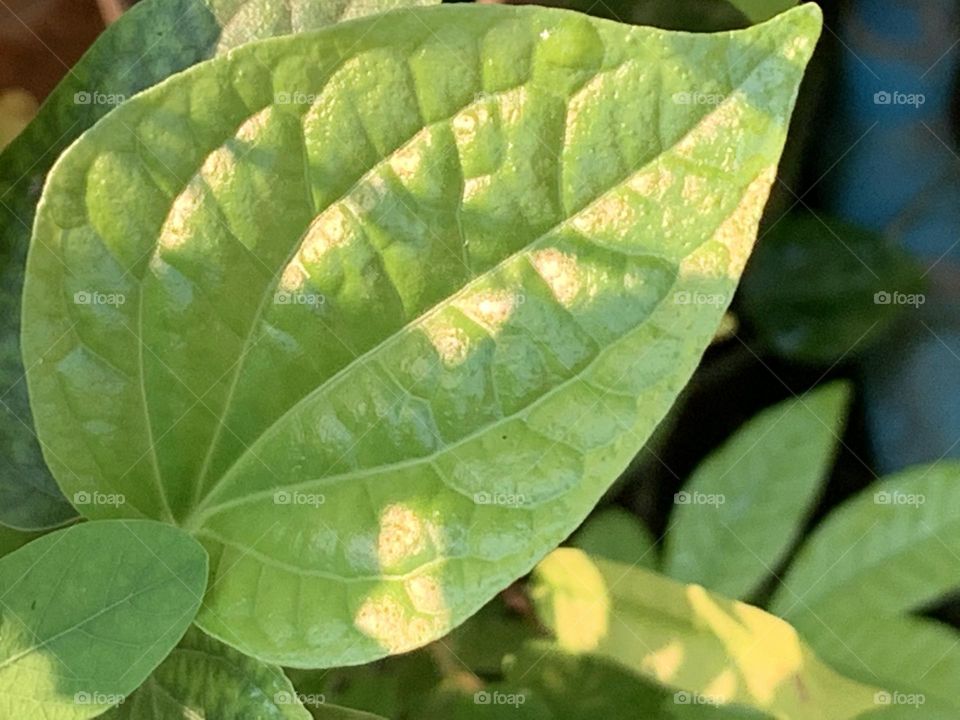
column 759, row 10
column 719, row 651
column 893, row 548
column 616, row 534
column 745, row 504
column 818, row 290
column 87, row 613
column 203, row 679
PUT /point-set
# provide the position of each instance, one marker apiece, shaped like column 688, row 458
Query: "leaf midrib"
column 192, row 518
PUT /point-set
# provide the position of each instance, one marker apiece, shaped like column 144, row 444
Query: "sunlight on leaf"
column 150, row 42
column 398, row 300
column 721, row 651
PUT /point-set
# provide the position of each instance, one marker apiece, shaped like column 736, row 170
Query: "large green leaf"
column 203, row 679
column 154, row 40
column 893, row 548
column 716, row 651
column 745, row 505
column 88, row 612
column 379, row 313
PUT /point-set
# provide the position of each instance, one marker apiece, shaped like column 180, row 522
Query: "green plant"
column 332, row 337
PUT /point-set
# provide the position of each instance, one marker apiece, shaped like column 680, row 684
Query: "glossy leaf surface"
column 379, row 313
column 152, row 41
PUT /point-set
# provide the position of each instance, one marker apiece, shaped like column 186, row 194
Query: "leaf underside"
column 381, row 311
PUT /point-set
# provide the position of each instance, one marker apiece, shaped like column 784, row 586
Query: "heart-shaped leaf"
column 88, row 612
column 378, row 313
column 154, row 40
